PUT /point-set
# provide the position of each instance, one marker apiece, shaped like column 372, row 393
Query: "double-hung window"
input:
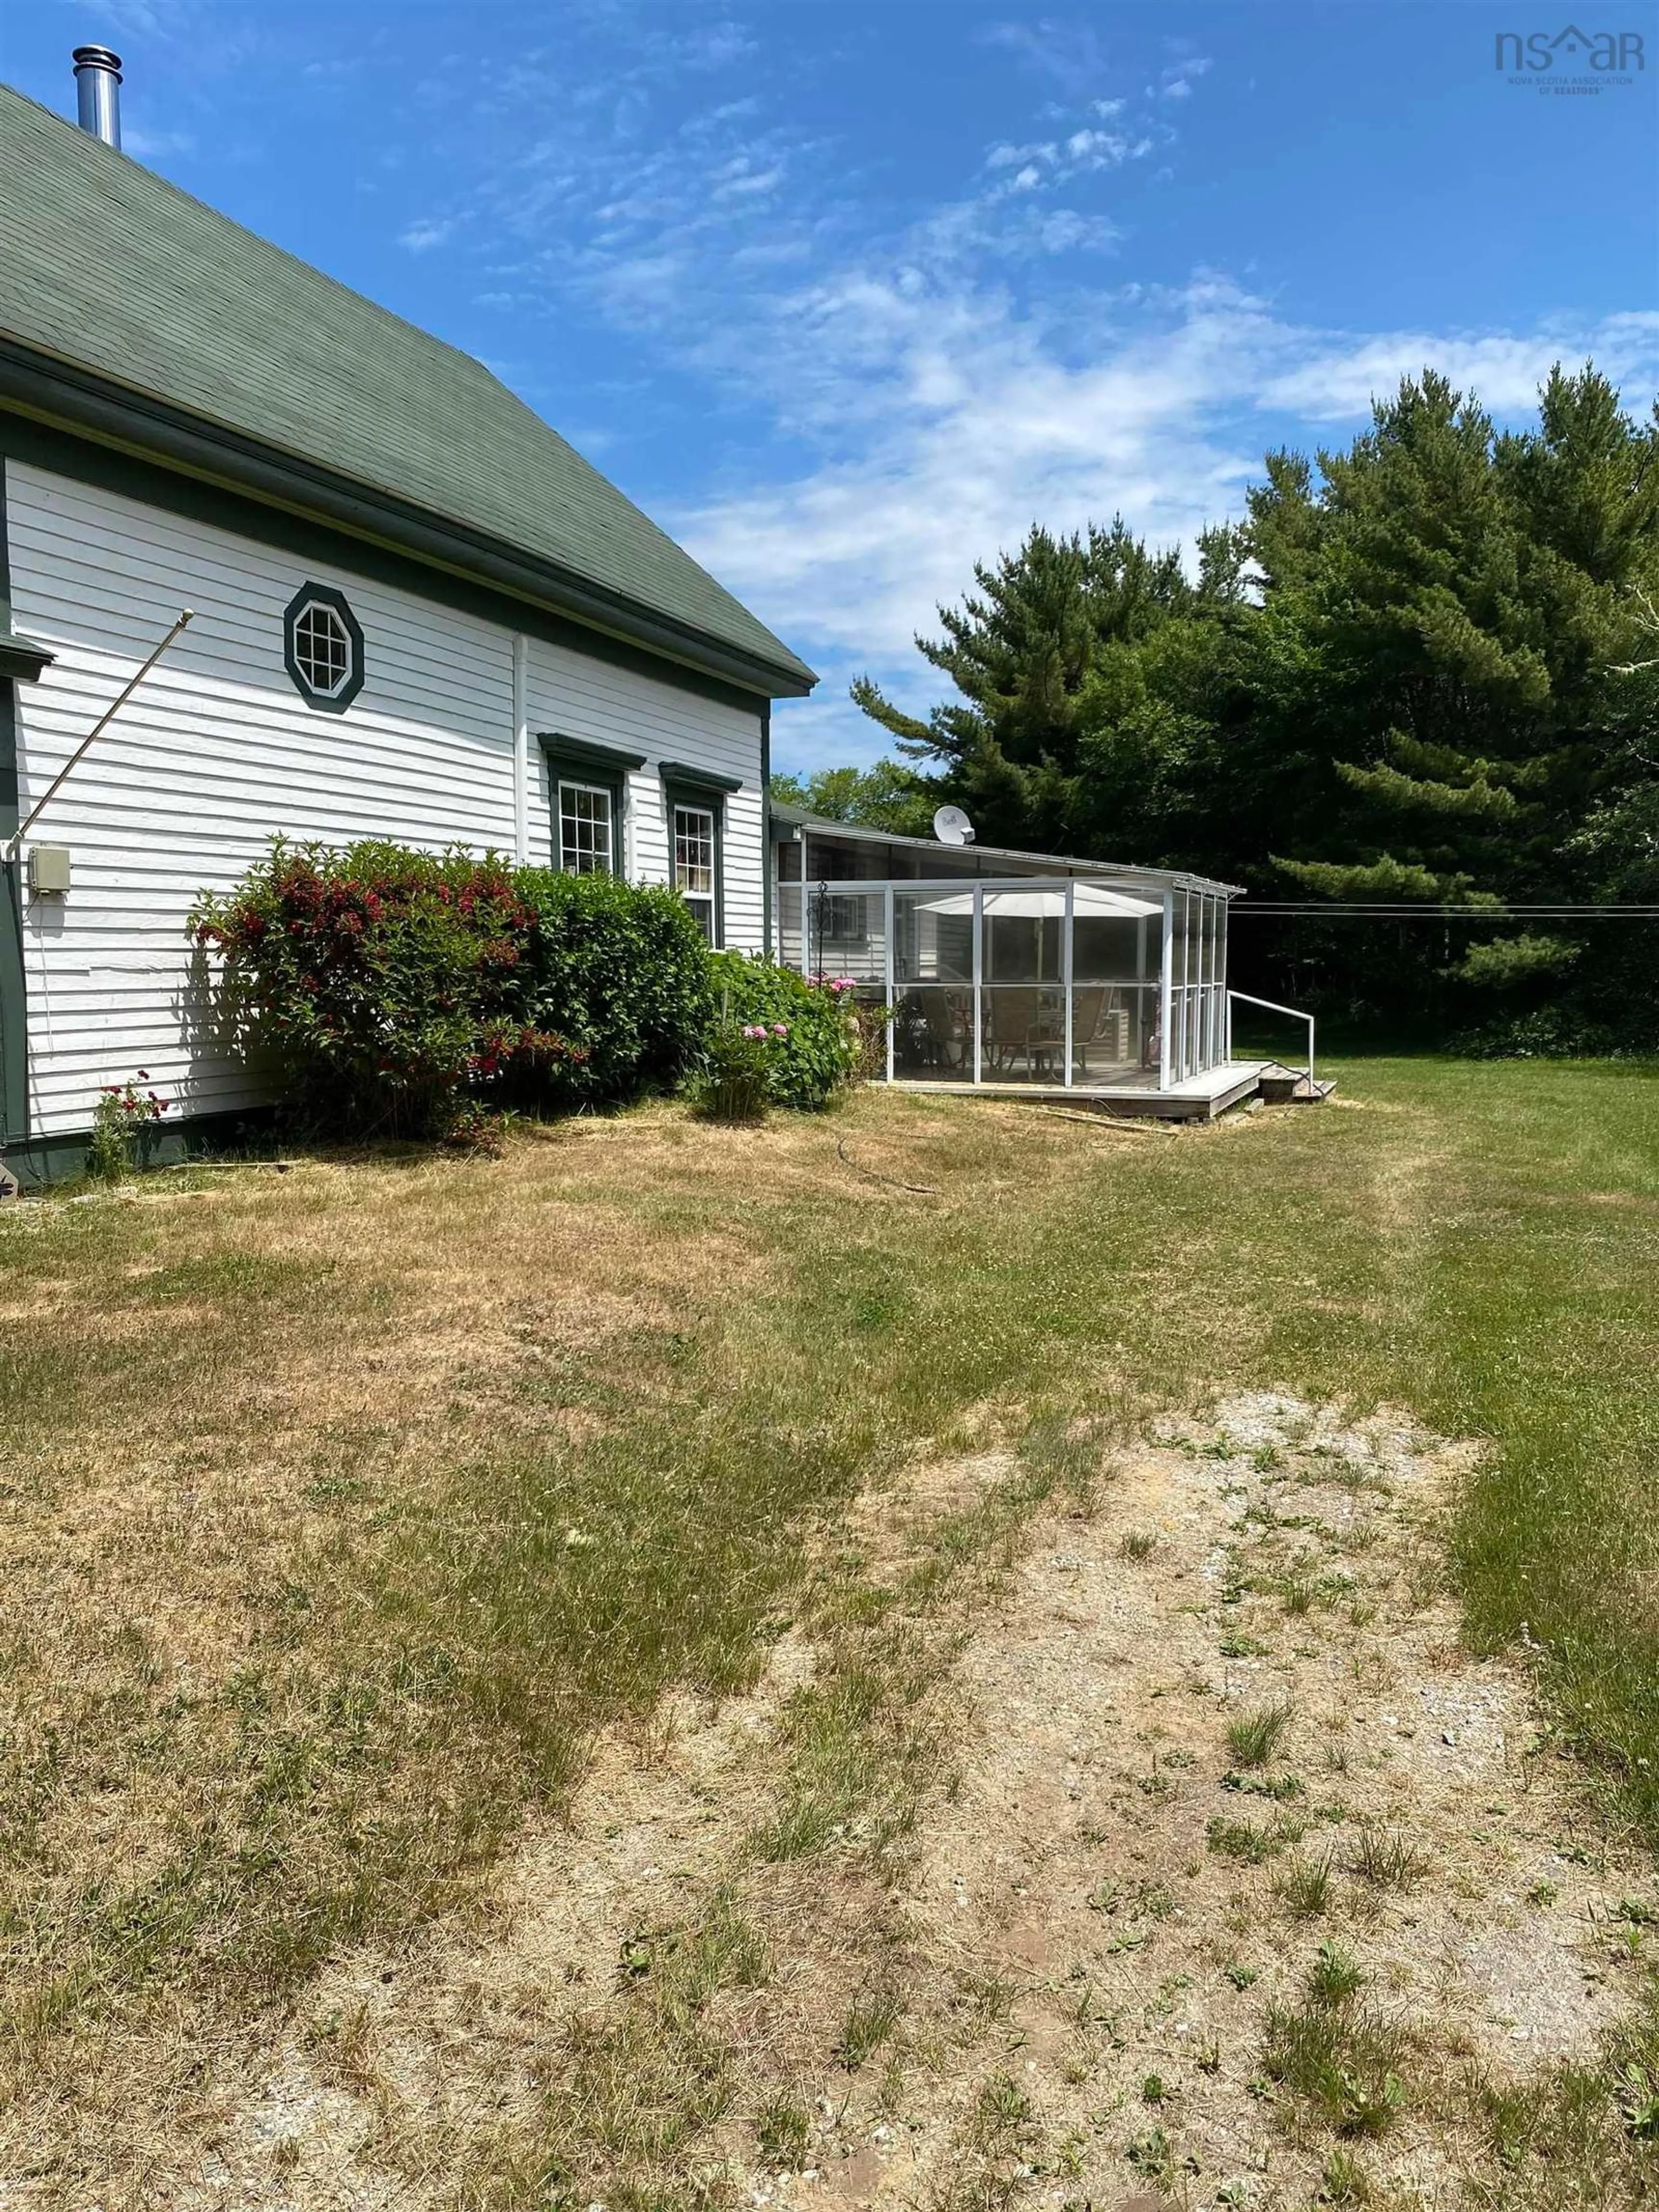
column 587, row 794
column 694, row 814
column 588, row 827
column 696, row 833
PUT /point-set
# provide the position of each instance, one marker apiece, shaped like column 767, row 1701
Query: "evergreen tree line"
column 1424, row 669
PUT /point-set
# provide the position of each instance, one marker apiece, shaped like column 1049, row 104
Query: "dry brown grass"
column 345, row 1506
column 491, row 1647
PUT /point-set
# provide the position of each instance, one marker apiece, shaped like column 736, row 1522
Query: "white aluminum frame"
column 1202, row 997
column 560, row 785
column 1296, row 1014
column 1165, row 991
column 1068, row 924
column 978, row 983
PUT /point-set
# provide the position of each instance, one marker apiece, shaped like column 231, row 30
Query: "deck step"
column 1290, row 1086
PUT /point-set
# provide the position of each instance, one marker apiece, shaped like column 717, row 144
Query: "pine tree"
column 1427, row 667
column 1460, row 597
column 1020, row 651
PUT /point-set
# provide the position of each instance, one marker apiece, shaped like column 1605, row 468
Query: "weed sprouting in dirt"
column 1305, row 1887
column 988, row 2168
column 1281, row 1789
column 1066, row 1452
column 1344, row 2181
column 872, row 2018
column 1344, row 2062
column 1255, row 1737
column 783, row 2130
column 1335, row 1976
column 985, row 1999
column 1571, row 2134
column 1386, row 1858
column 1152, row 2156
column 1251, row 1840
column 1237, row 1644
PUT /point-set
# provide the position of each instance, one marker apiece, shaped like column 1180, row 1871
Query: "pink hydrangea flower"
column 778, row 1030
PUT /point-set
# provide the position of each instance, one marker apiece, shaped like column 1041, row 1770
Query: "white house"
column 417, row 614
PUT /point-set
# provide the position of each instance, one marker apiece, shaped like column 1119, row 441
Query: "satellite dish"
column 952, row 826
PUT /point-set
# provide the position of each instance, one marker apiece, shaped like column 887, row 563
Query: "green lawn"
column 343, row 1505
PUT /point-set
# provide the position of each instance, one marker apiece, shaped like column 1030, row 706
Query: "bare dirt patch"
column 1221, row 1739
column 1136, row 1870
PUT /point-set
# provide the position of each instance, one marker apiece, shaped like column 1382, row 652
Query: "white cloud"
column 1006, row 157
column 1503, row 369
column 966, row 422
column 1068, row 55
column 156, row 145
column 1178, row 81
column 1051, row 161
column 152, row 19
column 898, row 398
column 421, row 237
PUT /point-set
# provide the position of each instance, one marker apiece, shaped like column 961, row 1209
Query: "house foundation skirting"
column 40, row 1161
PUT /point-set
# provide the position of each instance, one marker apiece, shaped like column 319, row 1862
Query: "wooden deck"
column 1200, row 1098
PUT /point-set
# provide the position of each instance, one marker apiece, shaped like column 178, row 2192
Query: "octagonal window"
column 323, row 647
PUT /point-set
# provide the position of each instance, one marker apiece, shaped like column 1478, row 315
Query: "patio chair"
column 943, row 1030
column 1014, row 1028
column 929, row 1034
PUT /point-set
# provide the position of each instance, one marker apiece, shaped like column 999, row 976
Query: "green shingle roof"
column 106, row 265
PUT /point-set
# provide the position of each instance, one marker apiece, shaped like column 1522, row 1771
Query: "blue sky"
column 848, row 295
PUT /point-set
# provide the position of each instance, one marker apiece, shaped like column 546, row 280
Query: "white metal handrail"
column 1273, row 1007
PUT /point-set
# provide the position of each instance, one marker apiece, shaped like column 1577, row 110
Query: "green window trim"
column 13, row 1005
column 331, row 603
column 20, row 657
column 705, row 794
column 703, row 779
column 14, row 987
column 582, row 763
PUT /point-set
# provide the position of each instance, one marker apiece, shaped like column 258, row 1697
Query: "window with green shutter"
column 694, row 816
column 586, row 802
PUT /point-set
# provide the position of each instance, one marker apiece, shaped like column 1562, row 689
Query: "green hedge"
column 622, row 972
column 818, row 1056
column 395, row 991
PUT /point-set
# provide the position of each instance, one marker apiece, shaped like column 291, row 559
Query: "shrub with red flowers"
column 123, row 1123
column 393, row 991
column 384, row 984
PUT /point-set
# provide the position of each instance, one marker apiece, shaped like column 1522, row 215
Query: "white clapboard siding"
column 217, row 752
column 577, row 697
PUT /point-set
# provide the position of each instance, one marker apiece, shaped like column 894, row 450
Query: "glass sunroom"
column 1030, row 970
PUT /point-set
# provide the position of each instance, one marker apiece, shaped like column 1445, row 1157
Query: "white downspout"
column 889, row 903
column 521, row 747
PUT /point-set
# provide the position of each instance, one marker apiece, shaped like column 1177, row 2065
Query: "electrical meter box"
column 49, row 871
